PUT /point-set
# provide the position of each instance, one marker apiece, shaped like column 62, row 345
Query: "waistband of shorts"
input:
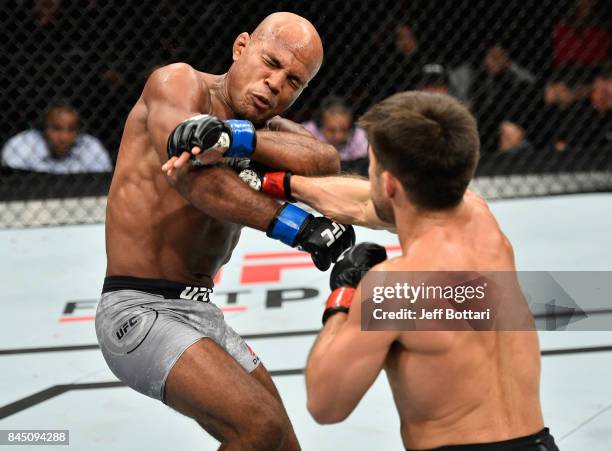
column 165, row 288
column 541, row 437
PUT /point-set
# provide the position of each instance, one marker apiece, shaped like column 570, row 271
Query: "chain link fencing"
column 535, row 73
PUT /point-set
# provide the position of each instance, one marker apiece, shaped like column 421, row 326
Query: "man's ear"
column 389, row 184
column 240, row 44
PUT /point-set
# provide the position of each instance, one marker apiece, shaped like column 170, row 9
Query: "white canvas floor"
column 52, row 376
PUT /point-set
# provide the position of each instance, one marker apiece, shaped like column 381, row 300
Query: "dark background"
column 97, row 55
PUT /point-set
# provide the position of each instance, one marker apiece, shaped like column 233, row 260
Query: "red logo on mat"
column 271, row 272
column 251, row 350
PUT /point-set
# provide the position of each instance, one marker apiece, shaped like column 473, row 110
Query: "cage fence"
column 535, row 73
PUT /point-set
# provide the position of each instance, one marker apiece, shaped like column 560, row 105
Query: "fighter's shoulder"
column 175, row 74
column 476, row 200
column 490, row 232
column 480, row 211
column 177, row 81
column 481, row 207
column 391, row 264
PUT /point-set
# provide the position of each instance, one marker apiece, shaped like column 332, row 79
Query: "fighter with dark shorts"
column 454, row 390
column 174, row 215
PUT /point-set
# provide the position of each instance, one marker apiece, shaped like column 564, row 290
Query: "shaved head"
column 296, row 33
column 272, row 66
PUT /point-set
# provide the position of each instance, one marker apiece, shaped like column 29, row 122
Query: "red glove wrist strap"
column 340, row 297
column 274, row 184
column 338, row 301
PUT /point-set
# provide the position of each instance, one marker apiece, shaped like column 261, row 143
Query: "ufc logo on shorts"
column 196, row 294
column 126, row 327
column 333, row 234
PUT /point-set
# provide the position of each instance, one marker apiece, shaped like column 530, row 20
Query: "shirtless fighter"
column 168, row 232
column 479, row 390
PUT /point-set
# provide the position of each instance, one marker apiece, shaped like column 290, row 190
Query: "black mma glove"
column 236, row 137
column 324, row 239
column 347, row 273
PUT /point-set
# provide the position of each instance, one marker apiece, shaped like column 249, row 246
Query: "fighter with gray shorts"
column 144, row 325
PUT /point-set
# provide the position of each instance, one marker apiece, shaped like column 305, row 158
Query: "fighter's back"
column 460, row 386
column 151, row 230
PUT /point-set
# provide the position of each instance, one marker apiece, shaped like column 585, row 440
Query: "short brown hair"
column 429, row 142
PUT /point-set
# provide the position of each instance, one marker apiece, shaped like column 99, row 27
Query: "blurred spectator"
column 402, row 55
column 407, row 56
column 564, row 88
column 100, row 70
column 549, row 107
column 500, row 92
column 588, row 123
column 463, row 78
column 460, row 79
column 561, row 90
column 334, row 124
column 59, row 148
column 45, row 12
column 497, row 62
column 512, row 137
column 433, row 79
column 579, row 39
column 37, row 36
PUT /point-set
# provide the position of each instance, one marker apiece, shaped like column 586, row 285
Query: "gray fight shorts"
column 144, row 325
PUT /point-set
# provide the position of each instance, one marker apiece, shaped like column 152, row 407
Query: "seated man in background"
column 551, row 107
column 334, row 125
column 501, row 92
column 571, row 115
column 588, row 122
column 560, row 93
column 59, row 148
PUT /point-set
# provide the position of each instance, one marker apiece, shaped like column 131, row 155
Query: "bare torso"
column 458, row 386
column 151, row 230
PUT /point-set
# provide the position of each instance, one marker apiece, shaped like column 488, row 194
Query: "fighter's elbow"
column 329, row 161
column 325, row 413
column 333, row 164
column 202, row 187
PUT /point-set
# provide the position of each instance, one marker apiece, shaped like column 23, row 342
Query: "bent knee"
column 269, row 425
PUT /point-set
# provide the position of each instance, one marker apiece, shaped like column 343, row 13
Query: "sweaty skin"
column 449, row 387
column 181, row 224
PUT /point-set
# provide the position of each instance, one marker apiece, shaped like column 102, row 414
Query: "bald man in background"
column 169, row 231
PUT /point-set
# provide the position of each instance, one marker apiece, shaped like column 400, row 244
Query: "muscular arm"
column 288, row 146
column 171, row 95
column 343, row 199
column 343, row 363
column 219, row 192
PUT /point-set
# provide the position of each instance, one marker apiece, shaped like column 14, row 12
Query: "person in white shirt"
column 59, row 148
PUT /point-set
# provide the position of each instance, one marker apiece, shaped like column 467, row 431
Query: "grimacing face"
column 382, row 203
column 267, row 77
